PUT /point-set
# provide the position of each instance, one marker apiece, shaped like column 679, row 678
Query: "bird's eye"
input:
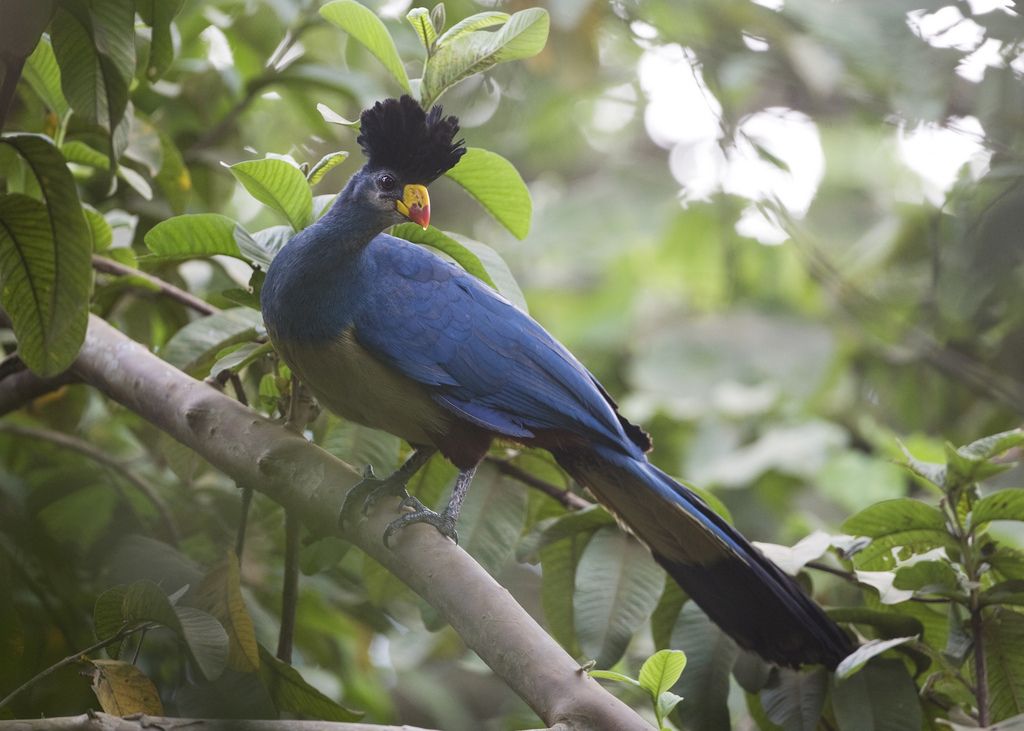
column 387, row 182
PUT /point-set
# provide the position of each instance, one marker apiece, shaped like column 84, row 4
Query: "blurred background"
column 787, row 235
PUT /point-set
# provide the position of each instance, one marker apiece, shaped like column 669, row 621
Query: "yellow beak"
column 415, row 205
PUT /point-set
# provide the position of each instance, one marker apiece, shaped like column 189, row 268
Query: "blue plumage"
column 388, row 334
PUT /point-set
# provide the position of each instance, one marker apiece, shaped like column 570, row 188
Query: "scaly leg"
column 370, row 489
column 444, row 521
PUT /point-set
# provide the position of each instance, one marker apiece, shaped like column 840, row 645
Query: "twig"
column 166, row 289
column 570, row 500
column 290, row 588
column 852, row 578
column 74, row 657
column 66, row 441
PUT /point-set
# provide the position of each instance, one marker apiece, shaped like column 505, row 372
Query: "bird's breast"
column 349, row 381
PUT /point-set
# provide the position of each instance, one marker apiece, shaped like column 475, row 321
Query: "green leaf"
column 360, row 445
column 882, row 553
column 496, row 268
column 94, row 47
column 327, row 163
column 859, row 657
column 174, row 179
column 1003, row 640
column 497, row 185
column 195, row 235
column 894, row 516
column 100, row 232
column 558, row 563
column 927, row 577
column 1005, row 592
column 794, row 699
column 445, row 243
column 419, row 19
column 617, row 588
column 206, row 639
column 123, row 689
column 43, row 74
column 552, row 530
column 664, row 617
column 487, row 19
column 492, row 518
column 220, row 594
column 882, row 697
column 45, row 264
column 158, row 14
column 524, row 35
column 278, row 184
column 332, row 117
column 992, row 446
column 292, row 694
column 144, row 602
column 194, row 347
column 363, row 25
column 661, row 671
column 239, row 357
column 260, row 247
column 1002, row 505
column 710, row 655
column 612, row 675
column 81, row 153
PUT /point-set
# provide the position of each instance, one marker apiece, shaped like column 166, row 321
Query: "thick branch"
column 22, row 388
column 309, row 481
column 139, row 722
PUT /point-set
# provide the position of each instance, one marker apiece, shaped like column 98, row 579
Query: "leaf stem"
column 109, row 266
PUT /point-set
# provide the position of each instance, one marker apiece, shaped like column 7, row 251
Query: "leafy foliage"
column 789, row 380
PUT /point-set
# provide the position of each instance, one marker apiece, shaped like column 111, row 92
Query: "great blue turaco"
column 387, row 334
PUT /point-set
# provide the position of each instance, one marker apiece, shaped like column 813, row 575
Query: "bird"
column 387, row 334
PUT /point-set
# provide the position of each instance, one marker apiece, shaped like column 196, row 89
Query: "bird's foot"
column 444, row 522
column 368, row 492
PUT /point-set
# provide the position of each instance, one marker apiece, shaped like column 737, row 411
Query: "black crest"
column 398, row 135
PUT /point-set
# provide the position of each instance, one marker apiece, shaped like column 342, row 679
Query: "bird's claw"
column 444, row 522
column 367, row 493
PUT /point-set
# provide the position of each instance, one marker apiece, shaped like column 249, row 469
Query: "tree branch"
column 312, row 483
column 166, row 289
column 140, row 722
column 569, row 500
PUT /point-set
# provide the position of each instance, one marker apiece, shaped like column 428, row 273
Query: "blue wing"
column 481, row 357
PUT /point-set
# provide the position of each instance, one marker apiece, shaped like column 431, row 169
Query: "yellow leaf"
column 122, row 689
column 220, row 594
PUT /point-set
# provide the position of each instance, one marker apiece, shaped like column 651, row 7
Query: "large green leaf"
column 486, row 19
column 882, row 697
column 363, row 25
column 617, row 588
column 524, row 35
column 195, row 235
column 552, row 530
column 794, row 699
column 144, row 602
column 45, row 265
column 710, row 654
column 894, row 516
column 497, row 185
column 194, row 348
column 280, row 185
column 492, row 518
column 1002, row 505
column 158, row 14
column 43, row 74
column 1003, row 640
column 360, row 445
column 292, row 694
column 558, row 563
column 95, row 47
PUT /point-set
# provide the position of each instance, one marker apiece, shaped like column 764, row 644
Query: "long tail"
column 743, row 592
